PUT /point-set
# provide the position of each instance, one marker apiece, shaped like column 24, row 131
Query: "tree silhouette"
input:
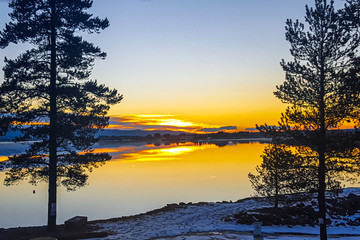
column 70, row 174
column 319, row 88
column 47, row 94
column 293, row 170
column 279, row 173
column 352, row 15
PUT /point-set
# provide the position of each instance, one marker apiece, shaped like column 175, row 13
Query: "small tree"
column 293, row 170
column 318, row 91
column 282, row 171
column 47, row 94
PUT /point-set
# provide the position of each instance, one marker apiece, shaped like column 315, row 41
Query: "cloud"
column 155, row 122
column 211, row 130
column 251, row 129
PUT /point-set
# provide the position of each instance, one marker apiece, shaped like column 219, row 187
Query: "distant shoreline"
column 130, row 139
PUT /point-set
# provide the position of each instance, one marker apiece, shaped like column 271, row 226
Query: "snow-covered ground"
column 203, row 221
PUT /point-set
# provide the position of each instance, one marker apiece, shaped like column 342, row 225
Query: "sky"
column 199, row 64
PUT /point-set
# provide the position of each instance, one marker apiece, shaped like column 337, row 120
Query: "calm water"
column 139, row 178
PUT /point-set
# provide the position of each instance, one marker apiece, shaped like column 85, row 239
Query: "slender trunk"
column 276, row 185
column 321, row 196
column 322, row 171
column 322, row 143
column 53, row 119
column 322, row 138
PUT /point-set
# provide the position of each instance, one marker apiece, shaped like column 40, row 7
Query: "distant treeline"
column 219, row 138
column 158, row 138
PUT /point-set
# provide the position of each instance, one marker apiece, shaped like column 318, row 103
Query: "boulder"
column 76, row 221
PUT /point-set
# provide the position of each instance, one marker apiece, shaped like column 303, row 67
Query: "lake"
column 140, row 177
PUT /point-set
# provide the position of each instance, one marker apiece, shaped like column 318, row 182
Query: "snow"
column 203, row 221
column 347, row 191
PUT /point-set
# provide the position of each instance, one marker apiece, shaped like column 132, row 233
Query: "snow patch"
column 203, row 221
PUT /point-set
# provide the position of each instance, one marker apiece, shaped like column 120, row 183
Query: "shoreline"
column 203, row 220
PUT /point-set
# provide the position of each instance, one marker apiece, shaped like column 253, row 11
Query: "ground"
column 200, row 221
column 205, row 221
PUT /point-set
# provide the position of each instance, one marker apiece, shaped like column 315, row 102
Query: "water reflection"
column 141, row 177
column 152, row 152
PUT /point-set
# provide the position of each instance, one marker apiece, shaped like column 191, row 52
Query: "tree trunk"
column 53, row 119
column 276, row 205
column 321, row 196
column 321, row 174
column 322, row 143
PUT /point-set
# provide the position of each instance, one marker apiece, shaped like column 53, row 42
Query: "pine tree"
column 281, row 172
column 351, row 14
column 318, row 88
column 47, row 94
column 292, row 170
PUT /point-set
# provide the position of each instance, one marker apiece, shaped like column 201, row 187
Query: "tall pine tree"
column 47, row 94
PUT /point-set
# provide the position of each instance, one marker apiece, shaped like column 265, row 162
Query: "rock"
column 353, row 197
column 355, row 222
column 76, row 222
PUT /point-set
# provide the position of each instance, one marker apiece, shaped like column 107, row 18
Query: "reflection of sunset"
column 177, row 150
column 128, row 185
column 29, row 123
column 192, row 175
column 162, row 154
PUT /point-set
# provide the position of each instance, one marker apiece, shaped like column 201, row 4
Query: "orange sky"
column 205, row 63
column 243, row 108
column 165, row 122
column 196, row 123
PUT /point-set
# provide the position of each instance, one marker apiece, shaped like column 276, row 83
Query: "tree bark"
column 322, row 143
column 276, row 205
column 53, row 119
column 322, row 173
column 321, row 196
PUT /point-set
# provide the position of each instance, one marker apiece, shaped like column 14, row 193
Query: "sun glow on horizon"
column 155, row 122
column 175, row 122
column 154, row 115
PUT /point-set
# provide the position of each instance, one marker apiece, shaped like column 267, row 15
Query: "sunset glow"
column 180, row 70
column 165, row 153
column 179, row 119
column 175, row 123
column 155, row 122
column 127, row 185
column 176, row 150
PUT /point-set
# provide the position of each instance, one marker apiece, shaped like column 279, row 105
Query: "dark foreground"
column 62, row 233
